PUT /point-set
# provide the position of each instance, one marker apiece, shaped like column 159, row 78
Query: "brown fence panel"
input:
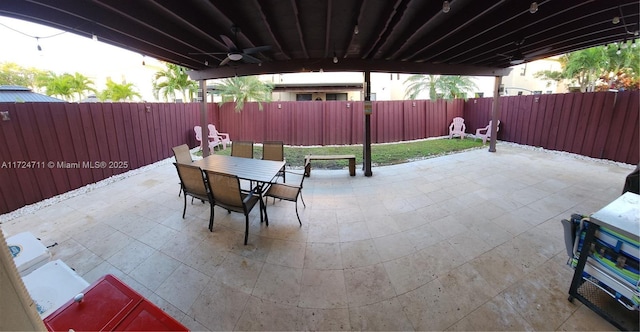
column 413, row 120
column 598, row 124
column 628, row 147
column 386, row 122
column 337, row 122
column 66, row 140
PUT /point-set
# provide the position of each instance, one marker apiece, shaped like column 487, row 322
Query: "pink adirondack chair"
column 457, row 128
column 485, row 132
column 222, row 137
column 212, row 144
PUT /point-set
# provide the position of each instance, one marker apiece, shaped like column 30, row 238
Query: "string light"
column 533, row 8
column 39, row 48
column 356, row 30
column 446, row 7
column 94, row 37
column 335, row 58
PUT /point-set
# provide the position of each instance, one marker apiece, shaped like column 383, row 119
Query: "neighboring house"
column 21, row 94
column 390, row 86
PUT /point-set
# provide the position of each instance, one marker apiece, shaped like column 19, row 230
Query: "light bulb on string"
column 94, row 37
column 533, row 8
column 335, row 58
column 38, row 43
column 446, row 7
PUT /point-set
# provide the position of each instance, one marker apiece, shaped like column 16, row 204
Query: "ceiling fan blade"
column 258, row 49
column 505, row 56
column 249, row 59
column 225, row 61
column 230, row 44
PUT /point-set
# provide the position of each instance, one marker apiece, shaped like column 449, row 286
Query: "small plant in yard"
column 381, row 154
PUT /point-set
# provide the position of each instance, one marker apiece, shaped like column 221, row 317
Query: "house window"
column 479, row 94
column 537, row 92
column 336, row 96
column 303, row 97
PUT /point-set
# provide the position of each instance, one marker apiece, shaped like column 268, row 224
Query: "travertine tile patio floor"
column 469, row 241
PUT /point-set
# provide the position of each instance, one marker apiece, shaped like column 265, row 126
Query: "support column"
column 495, row 114
column 202, row 95
column 366, row 158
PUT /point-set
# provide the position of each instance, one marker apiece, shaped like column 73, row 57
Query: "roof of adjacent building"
column 21, row 94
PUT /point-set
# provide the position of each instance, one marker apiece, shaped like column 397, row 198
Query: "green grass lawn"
column 381, row 154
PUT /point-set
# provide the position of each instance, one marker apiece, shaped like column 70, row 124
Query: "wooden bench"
column 350, row 157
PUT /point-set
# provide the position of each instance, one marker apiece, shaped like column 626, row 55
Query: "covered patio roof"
column 440, row 37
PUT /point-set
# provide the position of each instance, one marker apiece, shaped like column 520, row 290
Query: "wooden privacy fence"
column 50, row 148
column 307, row 123
column 601, row 125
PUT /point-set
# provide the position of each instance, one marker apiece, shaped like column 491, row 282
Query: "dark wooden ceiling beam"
column 466, row 17
column 541, row 37
column 267, row 27
column 352, row 48
column 303, row 45
column 346, row 65
column 529, row 25
column 382, row 31
column 327, row 32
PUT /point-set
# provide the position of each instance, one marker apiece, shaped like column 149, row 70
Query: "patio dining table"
column 263, row 172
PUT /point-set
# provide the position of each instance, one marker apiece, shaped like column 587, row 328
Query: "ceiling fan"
column 234, row 53
column 518, row 57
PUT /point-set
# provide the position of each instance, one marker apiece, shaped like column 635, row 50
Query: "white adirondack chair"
column 222, row 137
column 457, row 128
column 212, row 144
column 485, row 132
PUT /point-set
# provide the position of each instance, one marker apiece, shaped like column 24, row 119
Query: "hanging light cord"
column 28, row 35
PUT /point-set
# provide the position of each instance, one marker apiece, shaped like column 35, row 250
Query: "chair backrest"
column 192, row 179
column 212, row 130
column 489, row 128
column 458, row 122
column 182, row 154
column 225, row 189
column 242, row 149
column 273, row 150
column 198, row 131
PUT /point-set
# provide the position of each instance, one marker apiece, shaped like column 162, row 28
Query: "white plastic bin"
column 52, row 285
column 28, row 252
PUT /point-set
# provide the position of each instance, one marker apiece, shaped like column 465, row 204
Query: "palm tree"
column 243, row 89
column 118, row 92
column 453, row 87
column 585, row 66
column 81, row 84
column 418, row 83
column 592, row 67
column 174, row 78
column 447, row 87
column 57, row 85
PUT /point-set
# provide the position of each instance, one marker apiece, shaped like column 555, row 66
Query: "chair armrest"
column 250, row 194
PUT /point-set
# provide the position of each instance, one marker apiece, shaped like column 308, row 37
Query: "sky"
column 67, row 52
